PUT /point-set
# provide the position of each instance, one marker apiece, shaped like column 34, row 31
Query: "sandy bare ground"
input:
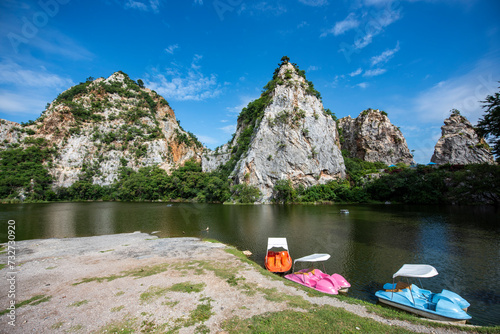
column 137, row 274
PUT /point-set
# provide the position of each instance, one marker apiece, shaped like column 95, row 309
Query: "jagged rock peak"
column 372, row 137
column 99, row 126
column 285, row 134
column 459, row 143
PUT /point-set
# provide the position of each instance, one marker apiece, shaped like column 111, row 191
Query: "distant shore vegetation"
column 24, row 177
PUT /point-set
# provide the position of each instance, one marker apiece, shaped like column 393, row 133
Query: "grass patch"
column 137, row 273
column 57, row 325
column 50, row 268
column 293, row 301
column 152, row 293
column 98, row 279
column 233, row 280
column 201, row 313
column 187, row 287
column 124, row 326
column 117, row 309
column 3, row 265
column 35, row 300
column 41, row 300
column 170, row 303
column 149, row 326
column 119, row 293
column 155, row 292
column 79, row 303
column 324, row 319
column 75, row 328
column 201, row 329
column 105, row 251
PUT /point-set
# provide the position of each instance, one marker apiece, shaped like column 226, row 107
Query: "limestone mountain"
column 459, row 143
column 101, row 125
column 285, row 134
column 372, row 137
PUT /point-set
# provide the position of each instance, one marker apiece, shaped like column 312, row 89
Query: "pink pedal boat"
column 317, row 279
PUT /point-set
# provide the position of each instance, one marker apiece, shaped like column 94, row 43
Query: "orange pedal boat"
column 278, row 261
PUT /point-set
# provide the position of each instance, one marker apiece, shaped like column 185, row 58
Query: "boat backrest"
column 402, row 285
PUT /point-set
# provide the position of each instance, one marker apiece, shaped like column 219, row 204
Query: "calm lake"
column 366, row 246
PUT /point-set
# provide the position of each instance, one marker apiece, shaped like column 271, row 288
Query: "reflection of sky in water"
column 366, row 246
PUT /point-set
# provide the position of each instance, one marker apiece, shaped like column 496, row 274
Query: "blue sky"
column 415, row 60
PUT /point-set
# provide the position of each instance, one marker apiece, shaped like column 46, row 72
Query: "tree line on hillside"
column 23, row 175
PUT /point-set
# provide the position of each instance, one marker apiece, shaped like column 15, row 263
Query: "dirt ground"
column 136, row 280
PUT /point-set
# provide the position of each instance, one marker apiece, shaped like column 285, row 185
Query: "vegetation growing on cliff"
column 489, row 125
column 23, row 172
column 251, row 116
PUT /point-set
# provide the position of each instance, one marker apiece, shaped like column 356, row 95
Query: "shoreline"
column 88, row 284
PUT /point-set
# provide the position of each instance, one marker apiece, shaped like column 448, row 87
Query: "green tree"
column 245, row 193
column 23, row 170
column 284, row 192
column 140, row 83
column 489, row 125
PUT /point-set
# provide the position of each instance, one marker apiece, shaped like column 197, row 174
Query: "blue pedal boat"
column 443, row 306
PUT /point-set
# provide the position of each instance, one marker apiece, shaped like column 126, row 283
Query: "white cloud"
column 374, row 72
column 244, row 101
column 136, row 5
column 363, row 85
column 302, row 24
column 376, row 24
column 196, row 60
column 180, row 83
column 355, row 73
column 151, row 5
column 229, row 129
column 25, row 103
column 314, row 3
column 312, row 68
column 349, row 23
column 198, row 2
column 207, row 140
column 361, row 43
column 171, row 48
column 258, row 8
column 12, row 73
column 385, row 56
column 55, row 42
column 463, row 93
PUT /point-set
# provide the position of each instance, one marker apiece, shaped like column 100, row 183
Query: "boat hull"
column 319, row 281
column 278, row 262
column 437, row 306
column 420, row 312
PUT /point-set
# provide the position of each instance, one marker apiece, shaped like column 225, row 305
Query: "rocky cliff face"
column 286, row 134
column 460, row 145
column 11, row 133
column 372, row 137
column 100, row 126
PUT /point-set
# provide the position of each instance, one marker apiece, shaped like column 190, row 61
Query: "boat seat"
column 430, row 306
column 399, row 287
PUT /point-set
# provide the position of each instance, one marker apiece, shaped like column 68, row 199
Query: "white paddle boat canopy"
column 277, row 243
column 316, row 257
column 416, row 270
